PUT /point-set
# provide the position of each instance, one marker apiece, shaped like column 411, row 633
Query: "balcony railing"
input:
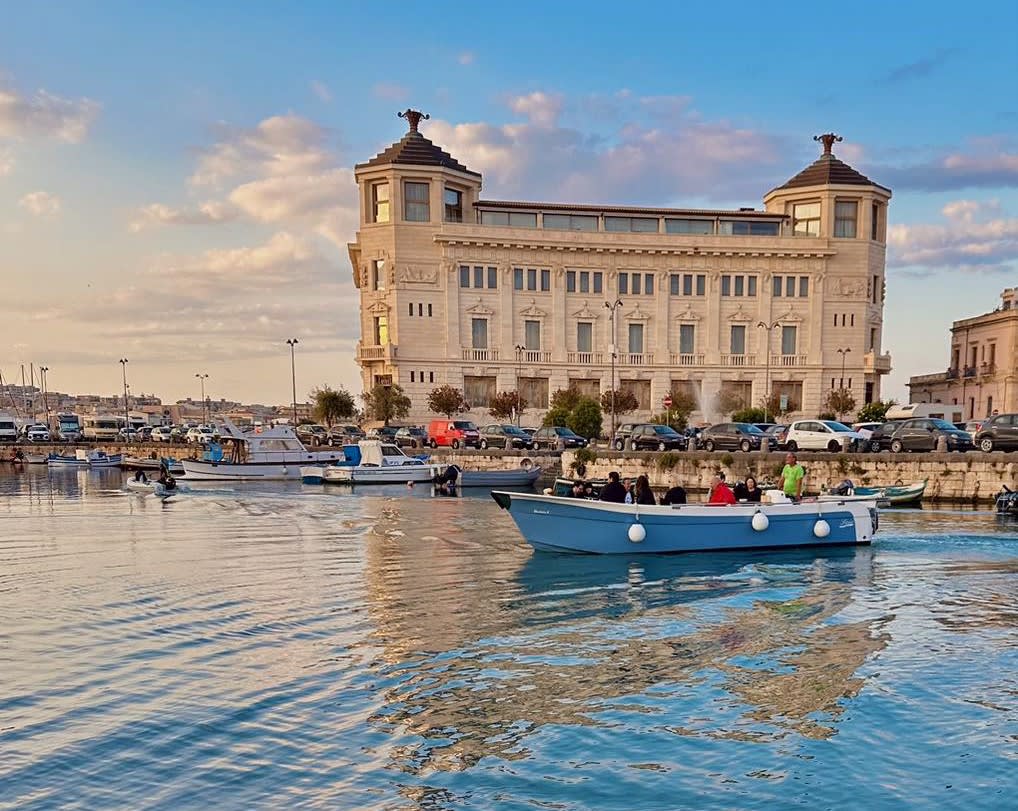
column 876, row 364
column 987, row 368
column 788, row 360
column 687, row 359
column 378, row 352
column 480, row 354
column 536, row 356
column 635, row 359
column 738, row 360
column 952, row 374
column 969, row 371
column 585, row 358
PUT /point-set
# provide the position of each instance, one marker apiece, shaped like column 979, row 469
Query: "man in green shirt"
column 791, row 477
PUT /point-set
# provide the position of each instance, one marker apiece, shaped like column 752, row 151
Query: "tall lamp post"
column 127, row 411
column 767, row 367
column 520, row 349
column 45, row 399
column 293, row 377
column 612, row 307
column 203, row 377
column 844, row 354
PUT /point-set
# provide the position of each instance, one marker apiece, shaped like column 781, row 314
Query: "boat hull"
column 519, row 477
column 552, row 523
column 382, row 474
column 251, row 471
column 895, row 495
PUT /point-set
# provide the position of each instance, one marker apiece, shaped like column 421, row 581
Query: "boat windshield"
column 837, row 427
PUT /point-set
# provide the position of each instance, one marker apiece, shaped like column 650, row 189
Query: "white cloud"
column 41, row 204
column 985, row 162
column 208, row 213
column 6, row 162
column 46, row 115
column 974, row 236
column 466, row 58
column 321, row 90
column 541, row 109
column 391, row 91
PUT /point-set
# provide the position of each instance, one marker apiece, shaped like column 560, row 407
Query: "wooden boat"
column 85, row 458
column 557, row 524
column 898, row 495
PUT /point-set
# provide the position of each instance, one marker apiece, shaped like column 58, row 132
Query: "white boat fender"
column 637, row 533
column 760, row 521
column 821, row 528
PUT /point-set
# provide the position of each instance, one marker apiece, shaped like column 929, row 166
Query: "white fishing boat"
column 85, row 458
column 379, row 463
column 266, row 455
column 153, row 488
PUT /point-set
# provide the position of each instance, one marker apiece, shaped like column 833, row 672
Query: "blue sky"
column 175, row 184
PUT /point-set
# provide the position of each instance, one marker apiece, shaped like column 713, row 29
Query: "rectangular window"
column 412, row 378
column 776, row 292
column 584, row 336
column 687, row 336
column 570, row 281
column 517, row 219
column 701, row 284
column 532, row 335
column 464, row 276
column 492, row 278
column 673, row 284
column 852, row 320
column 570, row 222
column 429, row 311
column 788, row 340
column 535, row 391
column 636, row 339
column 623, row 283
column 598, row 276
column 845, row 214
column 726, row 285
column 643, row 225
column 411, row 309
column 738, row 340
column 478, row 391
column 751, row 285
column 494, row 218
column 806, row 219
column 790, row 286
column 478, row 277
column 748, row 228
column 687, row 284
column 517, row 278
column 804, row 287
column 381, row 330
column 740, row 285
column 875, row 222
column 648, row 283
column 378, row 274
column 431, row 377
column 416, row 202
column 876, row 289
column 545, row 280
column 479, row 333
column 584, row 281
column 636, row 284
column 453, row 205
column 380, row 202
column 420, row 309
column 673, row 226
column 531, row 279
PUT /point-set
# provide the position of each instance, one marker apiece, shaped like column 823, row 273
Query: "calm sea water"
column 293, row 647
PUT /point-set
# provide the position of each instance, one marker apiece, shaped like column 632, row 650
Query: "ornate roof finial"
column 828, row 139
column 414, row 118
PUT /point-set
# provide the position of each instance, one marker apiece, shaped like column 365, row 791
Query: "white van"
column 102, row 427
column 940, row 411
column 8, row 428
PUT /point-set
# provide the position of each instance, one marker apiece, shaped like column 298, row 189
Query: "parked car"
column 652, row 437
column 162, row 433
column 178, row 433
column 529, row 431
column 777, row 436
column 129, row 434
column 971, row 427
column 620, row 440
column 386, row 433
column 37, row 433
column 821, row 435
column 312, row 435
column 556, row 437
column 200, row 435
column 880, row 437
column 505, row 436
column 453, row 433
column 998, row 433
column 865, row 429
column 411, row 436
column 923, row 434
column 145, row 433
column 732, row 436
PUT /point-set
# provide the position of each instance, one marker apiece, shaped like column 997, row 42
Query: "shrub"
column 668, row 460
column 585, row 418
column 585, row 455
column 748, row 415
column 727, row 460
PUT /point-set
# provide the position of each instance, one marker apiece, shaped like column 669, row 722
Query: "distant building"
column 488, row 294
column 982, row 370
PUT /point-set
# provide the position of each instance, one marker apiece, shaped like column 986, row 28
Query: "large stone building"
column 487, row 294
column 982, row 372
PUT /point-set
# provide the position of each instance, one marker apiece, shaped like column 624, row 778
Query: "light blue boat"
column 558, row 524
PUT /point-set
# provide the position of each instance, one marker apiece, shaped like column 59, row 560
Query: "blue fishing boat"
column 559, row 524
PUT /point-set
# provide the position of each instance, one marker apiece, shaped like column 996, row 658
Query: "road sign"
column 667, row 401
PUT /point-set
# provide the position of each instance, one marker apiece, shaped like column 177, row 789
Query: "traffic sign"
column 667, row 401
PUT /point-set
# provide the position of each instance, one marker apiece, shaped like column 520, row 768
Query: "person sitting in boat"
column 675, row 495
column 141, row 476
column 614, row 491
column 165, row 479
column 450, row 476
column 628, row 485
column 642, row 492
column 753, row 492
column 577, row 491
column 720, row 493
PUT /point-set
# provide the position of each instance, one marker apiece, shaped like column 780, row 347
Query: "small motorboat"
column 1007, row 502
column 36, row 458
column 152, row 463
column 897, row 495
column 523, row 476
column 85, row 458
column 377, row 463
column 556, row 524
column 154, row 488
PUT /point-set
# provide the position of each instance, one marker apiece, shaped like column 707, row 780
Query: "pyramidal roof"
column 828, row 170
column 414, row 149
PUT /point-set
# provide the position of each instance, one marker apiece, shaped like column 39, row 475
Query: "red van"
column 453, row 433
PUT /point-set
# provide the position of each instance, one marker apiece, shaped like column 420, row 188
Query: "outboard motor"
column 449, row 477
column 1007, row 502
column 844, row 489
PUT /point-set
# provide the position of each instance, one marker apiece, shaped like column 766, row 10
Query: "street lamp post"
column 767, row 368
column 127, row 410
column 203, row 377
column 520, row 349
column 612, row 307
column 45, row 399
column 293, row 377
column 844, row 354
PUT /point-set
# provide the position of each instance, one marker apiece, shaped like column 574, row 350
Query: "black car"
column 732, row 436
column 505, row 436
column 998, row 433
column 411, row 436
column 880, row 437
column 652, row 437
column 556, row 437
column 622, row 435
column 924, row 433
column 312, row 435
column 386, row 433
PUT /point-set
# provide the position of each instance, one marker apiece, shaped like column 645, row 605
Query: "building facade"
column 982, row 370
column 490, row 295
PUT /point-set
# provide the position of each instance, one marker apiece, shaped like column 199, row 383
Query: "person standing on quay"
column 792, row 475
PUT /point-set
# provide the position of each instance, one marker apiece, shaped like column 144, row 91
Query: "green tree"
column 331, row 405
column 626, row 401
column 557, row 415
column 875, row 411
column 504, row 405
column 773, row 408
column 585, row 418
column 727, row 401
column 447, row 400
column 748, row 415
column 386, row 403
column 840, row 402
column 565, row 399
column 683, row 404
